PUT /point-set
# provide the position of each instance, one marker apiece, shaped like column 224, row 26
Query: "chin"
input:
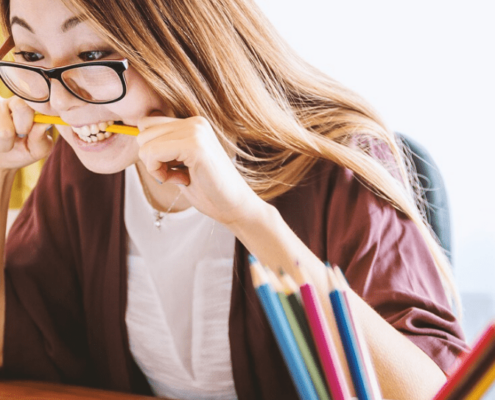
column 104, row 167
column 109, row 156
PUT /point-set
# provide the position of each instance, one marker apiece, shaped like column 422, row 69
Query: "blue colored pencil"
column 283, row 333
column 365, row 353
column 349, row 340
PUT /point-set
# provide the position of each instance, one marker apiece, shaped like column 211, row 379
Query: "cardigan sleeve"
column 382, row 253
column 388, row 263
column 44, row 328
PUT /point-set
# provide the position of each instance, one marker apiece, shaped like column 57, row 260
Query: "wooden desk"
column 26, row 390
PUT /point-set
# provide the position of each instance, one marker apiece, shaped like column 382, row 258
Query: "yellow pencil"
column 483, row 385
column 124, row 129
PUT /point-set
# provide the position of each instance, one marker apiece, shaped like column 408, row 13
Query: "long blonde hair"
column 223, row 60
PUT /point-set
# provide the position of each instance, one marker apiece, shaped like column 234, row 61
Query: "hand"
column 16, row 118
column 211, row 183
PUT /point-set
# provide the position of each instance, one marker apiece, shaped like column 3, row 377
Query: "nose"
column 60, row 98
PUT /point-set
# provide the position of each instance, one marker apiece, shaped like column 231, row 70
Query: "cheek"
column 139, row 101
column 42, row 108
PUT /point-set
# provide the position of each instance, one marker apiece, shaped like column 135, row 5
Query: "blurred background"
column 428, row 68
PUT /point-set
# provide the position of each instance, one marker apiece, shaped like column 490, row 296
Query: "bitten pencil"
column 115, row 128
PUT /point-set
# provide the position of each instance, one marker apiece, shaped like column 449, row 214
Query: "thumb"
column 154, row 118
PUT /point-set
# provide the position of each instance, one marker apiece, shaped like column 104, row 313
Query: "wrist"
column 254, row 216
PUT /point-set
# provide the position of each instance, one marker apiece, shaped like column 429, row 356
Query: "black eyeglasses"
column 97, row 82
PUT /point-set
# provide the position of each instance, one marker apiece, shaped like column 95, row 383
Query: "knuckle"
column 144, row 153
column 6, row 133
column 199, row 122
column 18, row 104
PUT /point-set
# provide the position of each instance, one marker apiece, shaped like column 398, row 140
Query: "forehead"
column 49, row 23
column 40, row 12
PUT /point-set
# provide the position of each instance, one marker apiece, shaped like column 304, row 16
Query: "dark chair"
column 437, row 210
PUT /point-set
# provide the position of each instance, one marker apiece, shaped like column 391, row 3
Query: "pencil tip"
column 332, row 280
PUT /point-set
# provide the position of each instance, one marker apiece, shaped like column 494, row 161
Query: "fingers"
column 39, row 143
column 179, row 176
column 16, row 118
column 7, row 129
column 155, row 126
column 22, row 115
column 151, row 128
column 147, row 122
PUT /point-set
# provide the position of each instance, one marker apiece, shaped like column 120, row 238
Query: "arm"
column 215, row 188
column 15, row 152
column 403, row 369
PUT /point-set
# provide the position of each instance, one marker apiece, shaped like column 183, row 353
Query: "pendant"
column 158, row 219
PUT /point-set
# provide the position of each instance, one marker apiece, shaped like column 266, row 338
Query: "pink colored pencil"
column 330, row 362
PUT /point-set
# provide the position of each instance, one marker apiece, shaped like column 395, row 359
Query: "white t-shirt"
column 179, row 287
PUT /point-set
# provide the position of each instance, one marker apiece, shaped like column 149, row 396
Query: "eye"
column 93, row 55
column 29, row 56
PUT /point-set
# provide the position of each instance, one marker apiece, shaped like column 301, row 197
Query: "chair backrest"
column 437, row 210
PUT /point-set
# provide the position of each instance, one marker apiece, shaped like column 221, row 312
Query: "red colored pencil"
column 468, row 364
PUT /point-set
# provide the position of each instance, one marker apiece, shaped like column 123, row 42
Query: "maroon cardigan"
column 66, row 279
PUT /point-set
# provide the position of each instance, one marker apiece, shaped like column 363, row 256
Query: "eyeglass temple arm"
column 6, row 47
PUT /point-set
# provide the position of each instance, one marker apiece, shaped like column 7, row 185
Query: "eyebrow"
column 21, row 22
column 69, row 24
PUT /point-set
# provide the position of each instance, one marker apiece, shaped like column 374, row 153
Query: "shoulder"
column 333, row 193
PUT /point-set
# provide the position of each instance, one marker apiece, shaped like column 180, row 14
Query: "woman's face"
column 46, row 34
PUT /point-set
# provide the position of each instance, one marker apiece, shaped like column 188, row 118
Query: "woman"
column 118, row 271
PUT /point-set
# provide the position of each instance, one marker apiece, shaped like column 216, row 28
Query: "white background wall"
column 428, row 67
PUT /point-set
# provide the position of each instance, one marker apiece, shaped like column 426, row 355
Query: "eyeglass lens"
column 25, row 83
column 94, row 83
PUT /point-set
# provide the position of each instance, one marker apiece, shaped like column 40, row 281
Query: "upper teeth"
column 93, row 132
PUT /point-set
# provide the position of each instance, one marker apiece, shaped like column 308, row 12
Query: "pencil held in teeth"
column 114, row 128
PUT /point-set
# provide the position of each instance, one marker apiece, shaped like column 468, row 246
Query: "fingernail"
column 181, row 185
column 160, row 182
column 21, row 136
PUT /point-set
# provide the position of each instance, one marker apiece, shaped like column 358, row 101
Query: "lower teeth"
column 95, row 138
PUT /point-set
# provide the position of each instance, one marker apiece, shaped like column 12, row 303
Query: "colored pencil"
column 463, row 371
column 349, row 340
column 294, row 298
column 115, row 128
column 301, row 341
column 282, row 332
column 330, row 362
column 363, row 347
column 475, row 375
column 483, row 385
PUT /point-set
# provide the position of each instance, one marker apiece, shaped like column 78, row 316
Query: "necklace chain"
column 158, row 215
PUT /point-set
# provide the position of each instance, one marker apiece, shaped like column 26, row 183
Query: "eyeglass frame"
column 119, row 66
